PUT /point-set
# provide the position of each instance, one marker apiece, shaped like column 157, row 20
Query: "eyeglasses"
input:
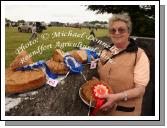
column 119, row 30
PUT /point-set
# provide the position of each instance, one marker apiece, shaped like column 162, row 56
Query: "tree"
column 7, row 20
column 142, row 16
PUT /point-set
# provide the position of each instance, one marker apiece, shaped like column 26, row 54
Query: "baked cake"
column 57, row 67
column 21, row 60
column 87, row 90
column 21, row 81
column 58, row 55
column 80, row 55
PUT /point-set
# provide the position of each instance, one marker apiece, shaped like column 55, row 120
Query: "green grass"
column 13, row 40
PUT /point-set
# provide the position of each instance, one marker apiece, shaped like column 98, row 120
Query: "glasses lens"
column 120, row 30
column 112, row 31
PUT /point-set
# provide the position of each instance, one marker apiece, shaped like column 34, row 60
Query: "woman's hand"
column 111, row 100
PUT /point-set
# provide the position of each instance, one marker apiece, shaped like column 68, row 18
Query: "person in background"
column 92, row 32
column 34, row 32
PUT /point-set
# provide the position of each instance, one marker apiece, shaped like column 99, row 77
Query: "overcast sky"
column 47, row 13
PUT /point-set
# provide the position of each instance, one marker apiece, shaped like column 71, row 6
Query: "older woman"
column 125, row 67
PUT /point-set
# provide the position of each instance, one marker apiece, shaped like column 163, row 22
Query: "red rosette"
column 99, row 90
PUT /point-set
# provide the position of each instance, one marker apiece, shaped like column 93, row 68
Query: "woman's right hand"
column 111, row 101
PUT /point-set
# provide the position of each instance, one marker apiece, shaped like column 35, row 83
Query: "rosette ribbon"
column 39, row 64
column 99, row 90
column 91, row 53
column 73, row 65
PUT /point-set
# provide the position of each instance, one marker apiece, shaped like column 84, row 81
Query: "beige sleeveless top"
column 120, row 75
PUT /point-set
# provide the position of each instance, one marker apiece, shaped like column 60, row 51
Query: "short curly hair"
column 122, row 17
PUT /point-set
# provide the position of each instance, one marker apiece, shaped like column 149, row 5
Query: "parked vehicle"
column 44, row 25
column 27, row 27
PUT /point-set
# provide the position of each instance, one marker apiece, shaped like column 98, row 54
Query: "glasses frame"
column 120, row 30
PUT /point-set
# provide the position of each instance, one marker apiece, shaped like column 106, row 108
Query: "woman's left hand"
column 111, row 100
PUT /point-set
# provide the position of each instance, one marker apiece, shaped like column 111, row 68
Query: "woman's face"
column 119, row 33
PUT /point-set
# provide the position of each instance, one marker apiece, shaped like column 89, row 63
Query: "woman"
column 125, row 67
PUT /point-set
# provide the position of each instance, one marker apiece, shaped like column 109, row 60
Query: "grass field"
column 14, row 39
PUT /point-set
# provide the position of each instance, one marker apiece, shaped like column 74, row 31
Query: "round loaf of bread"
column 22, row 81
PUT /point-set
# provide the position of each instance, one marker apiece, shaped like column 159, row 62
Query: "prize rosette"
column 99, row 90
column 73, row 65
column 91, row 93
